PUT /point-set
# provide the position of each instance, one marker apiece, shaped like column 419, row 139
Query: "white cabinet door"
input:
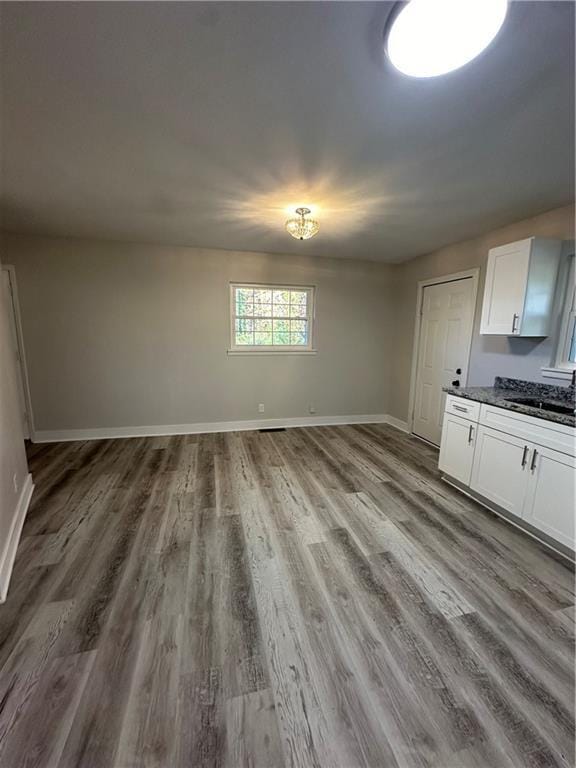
column 500, row 471
column 505, row 290
column 550, row 498
column 457, row 448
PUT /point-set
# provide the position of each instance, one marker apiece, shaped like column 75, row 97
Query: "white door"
column 506, row 281
column 9, row 301
column 500, row 472
column 447, row 316
column 457, row 448
column 550, row 499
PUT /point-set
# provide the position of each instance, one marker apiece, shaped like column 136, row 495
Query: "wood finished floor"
column 315, row 597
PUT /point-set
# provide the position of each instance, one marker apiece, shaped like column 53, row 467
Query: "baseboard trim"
column 9, row 554
column 398, row 423
column 106, row 433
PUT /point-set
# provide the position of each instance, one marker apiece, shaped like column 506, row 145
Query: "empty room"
column 287, row 384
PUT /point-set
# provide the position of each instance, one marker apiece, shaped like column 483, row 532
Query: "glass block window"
column 271, row 317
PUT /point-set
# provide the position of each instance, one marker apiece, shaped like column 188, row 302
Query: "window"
column 566, row 356
column 271, row 318
column 564, row 359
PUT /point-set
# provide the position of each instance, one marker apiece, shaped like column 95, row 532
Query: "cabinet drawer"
column 459, row 406
column 549, row 434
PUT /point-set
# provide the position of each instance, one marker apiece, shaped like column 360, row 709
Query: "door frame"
column 21, row 351
column 474, row 274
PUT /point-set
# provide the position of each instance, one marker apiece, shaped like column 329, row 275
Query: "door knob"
column 456, row 383
column 459, row 371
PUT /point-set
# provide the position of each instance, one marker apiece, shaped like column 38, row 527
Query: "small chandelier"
column 302, row 228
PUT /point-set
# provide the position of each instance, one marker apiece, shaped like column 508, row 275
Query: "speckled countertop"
column 504, row 389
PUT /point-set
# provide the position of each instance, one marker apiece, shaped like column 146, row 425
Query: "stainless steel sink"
column 542, row 405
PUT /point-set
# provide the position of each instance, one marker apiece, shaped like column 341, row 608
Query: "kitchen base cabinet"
column 515, row 465
column 457, row 448
column 499, row 472
column 550, row 496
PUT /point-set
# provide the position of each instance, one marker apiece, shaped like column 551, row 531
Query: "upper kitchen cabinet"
column 520, row 285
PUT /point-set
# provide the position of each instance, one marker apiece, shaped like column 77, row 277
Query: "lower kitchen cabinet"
column 457, row 448
column 499, row 472
column 550, row 497
column 515, row 467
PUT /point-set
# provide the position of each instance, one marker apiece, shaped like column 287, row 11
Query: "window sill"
column 266, row 353
column 557, row 373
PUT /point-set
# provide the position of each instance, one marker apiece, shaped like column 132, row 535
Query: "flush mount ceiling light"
column 302, row 228
column 427, row 38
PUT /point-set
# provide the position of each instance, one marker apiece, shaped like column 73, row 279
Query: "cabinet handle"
column 459, row 408
column 533, row 462
column 470, row 433
column 524, row 454
column 515, row 317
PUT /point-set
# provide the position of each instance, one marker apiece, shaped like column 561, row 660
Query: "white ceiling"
column 198, row 123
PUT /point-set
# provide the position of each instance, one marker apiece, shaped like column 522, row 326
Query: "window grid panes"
column 271, row 317
column 572, row 347
column 566, row 357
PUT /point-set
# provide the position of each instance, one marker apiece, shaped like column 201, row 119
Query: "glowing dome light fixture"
column 302, row 228
column 427, row 38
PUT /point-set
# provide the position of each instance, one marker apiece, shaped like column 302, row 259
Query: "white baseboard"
column 398, row 423
column 106, row 433
column 9, row 553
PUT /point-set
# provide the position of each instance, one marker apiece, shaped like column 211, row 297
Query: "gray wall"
column 490, row 355
column 121, row 335
column 12, row 455
column 129, row 335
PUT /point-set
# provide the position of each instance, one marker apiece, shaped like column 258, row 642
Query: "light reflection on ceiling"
column 342, row 208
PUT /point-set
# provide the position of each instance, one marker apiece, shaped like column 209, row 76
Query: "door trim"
column 21, row 351
column 451, row 278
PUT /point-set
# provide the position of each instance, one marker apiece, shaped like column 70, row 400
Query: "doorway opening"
column 13, row 308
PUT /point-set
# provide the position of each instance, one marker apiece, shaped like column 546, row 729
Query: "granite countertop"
column 504, row 389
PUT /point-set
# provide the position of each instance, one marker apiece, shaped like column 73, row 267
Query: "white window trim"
column 561, row 367
column 261, row 350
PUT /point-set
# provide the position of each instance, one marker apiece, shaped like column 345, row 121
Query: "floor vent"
column 273, row 429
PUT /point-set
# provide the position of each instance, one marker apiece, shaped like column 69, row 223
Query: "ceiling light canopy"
column 303, row 227
column 428, row 38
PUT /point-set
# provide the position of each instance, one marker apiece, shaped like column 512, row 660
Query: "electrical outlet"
column 15, row 482
column 260, row 407
column 312, row 408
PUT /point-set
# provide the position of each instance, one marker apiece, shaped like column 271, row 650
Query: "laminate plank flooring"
column 303, row 598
